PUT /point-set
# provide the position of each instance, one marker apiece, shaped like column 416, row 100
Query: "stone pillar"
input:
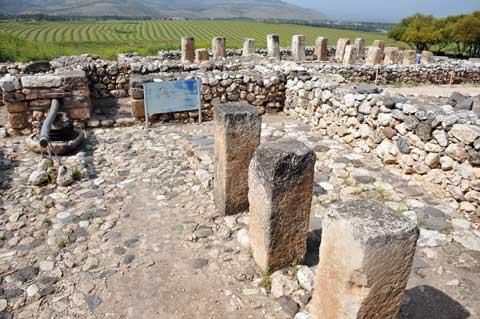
column 427, row 57
column 201, row 55
column 218, row 48
column 340, row 50
column 280, row 194
column 360, row 44
column 409, row 57
column 273, row 46
column 298, row 48
column 237, row 134
column 350, row 56
column 374, row 56
column 321, row 48
column 248, row 47
column 379, row 44
column 188, row 49
column 366, row 256
column 392, row 55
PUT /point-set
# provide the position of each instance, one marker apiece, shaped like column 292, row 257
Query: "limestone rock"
column 38, row 178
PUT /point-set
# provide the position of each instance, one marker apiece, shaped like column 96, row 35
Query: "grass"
column 266, row 280
column 24, row 41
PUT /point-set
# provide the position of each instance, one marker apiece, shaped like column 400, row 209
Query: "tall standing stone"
column 374, row 56
column 321, row 48
column 340, row 50
column 237, row 134
column 427, row 57
column 298, row 48
column 409, row 57
column 201, row 55
column 218, row 48
column 392, row 55
column 280, row 195
column 248, row 47
column 360, row 44
column 379, row 44
column 350, row 56
column 273, row 46
column 366, row 257
column 188, row 49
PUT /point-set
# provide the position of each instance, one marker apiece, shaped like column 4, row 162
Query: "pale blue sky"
column 388, row 9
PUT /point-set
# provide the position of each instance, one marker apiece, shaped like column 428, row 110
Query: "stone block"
column 321, row 48
column 360, row 44
column 138, row 108
column 392, row 55
column 366, row 256
column 237, row 128
column 19, row 121
column 218, row 48
column 379, row 44
column 273, row 46
column 427, row 57
column 248, row 47
column 16, row 107
column 351, row 54
column 9, row 83
column 80, row 113
column 340, row 50
column 201, row 55
column 374, row 56
column 280, row 196
column 298, row 48
column 188, row 49
column 41, row 81
column 409, row 57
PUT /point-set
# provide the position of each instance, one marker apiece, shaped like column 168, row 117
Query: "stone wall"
column 441, row 143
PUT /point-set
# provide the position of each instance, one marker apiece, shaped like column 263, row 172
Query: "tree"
column 417, row 31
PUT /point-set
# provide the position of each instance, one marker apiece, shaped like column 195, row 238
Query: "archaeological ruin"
column 314, row 182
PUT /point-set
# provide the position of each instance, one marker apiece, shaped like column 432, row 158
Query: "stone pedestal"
column 218, row 48
column 360, row 44
column 321, row 48
column 188, row 49
column 298, row 48
column 350, row 56
column 379, row 44
column 280, row 195
column 409, row 57
column 340, row 50
column 248, row 47
column 366, row 257
column 273, row 46
column 374, row 56
column 427, row 57
column 201, row 55
column 392, row 55
column 237, row 134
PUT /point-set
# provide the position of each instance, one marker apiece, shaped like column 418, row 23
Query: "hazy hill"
column 264, row 9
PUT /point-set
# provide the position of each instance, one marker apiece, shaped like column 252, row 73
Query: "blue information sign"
column 172, row 96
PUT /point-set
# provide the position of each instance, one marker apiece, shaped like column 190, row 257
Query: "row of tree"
column 460, row 34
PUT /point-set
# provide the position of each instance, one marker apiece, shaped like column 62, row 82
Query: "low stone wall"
column 28, row 97
column 442, row 143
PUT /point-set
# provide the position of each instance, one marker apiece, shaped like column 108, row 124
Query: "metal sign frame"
column 161, row 97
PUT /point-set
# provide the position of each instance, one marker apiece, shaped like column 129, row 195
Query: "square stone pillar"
column 427, row 57
column 237, row 134
column 360, row 44
column 321, row 48
column 298, row 48
column 201, row 55
column 350, row 56
column 188, row 49
column 392, row 55
column 409, row 57
column 340, row 51
column 248, row 47
column 273, row 46
column 219, row 48
column 280, row 194
column 379, row 44
column 366, row 256
column 374, row 56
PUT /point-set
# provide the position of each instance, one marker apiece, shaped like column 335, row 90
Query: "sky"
column 387, row 9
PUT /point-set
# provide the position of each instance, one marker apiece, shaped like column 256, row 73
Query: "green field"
column 44, row 40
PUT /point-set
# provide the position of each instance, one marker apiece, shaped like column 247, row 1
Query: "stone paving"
column 137, row 235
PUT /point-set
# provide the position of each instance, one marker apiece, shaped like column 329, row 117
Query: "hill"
column 190, row 9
